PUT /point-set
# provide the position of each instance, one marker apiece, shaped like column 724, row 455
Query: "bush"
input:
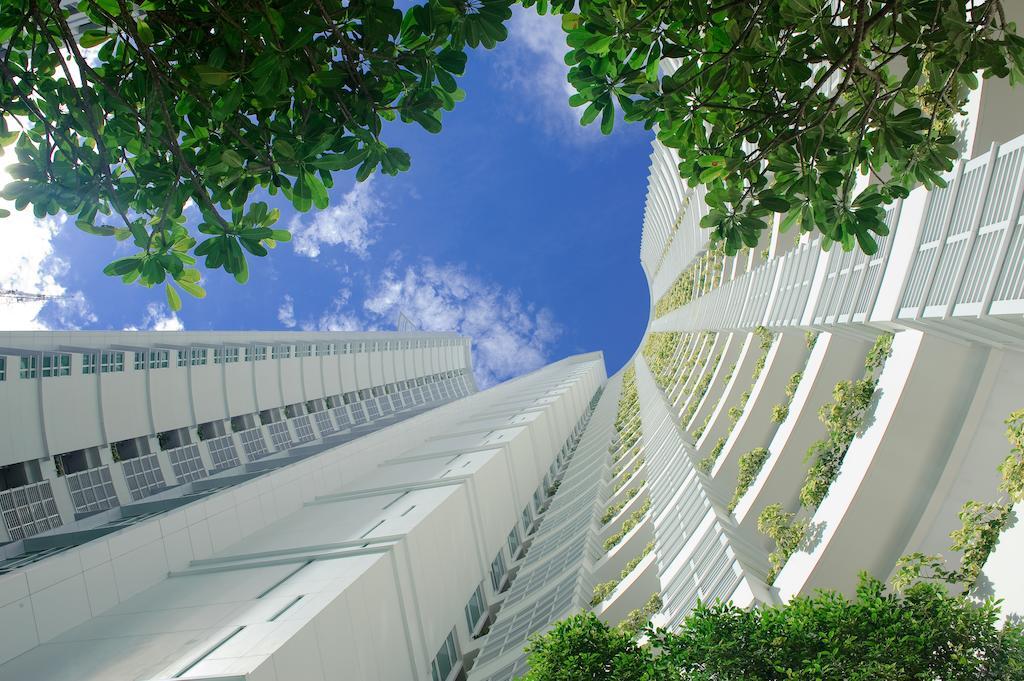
column 637, row 619
column 750, row 466
column 708, row 462
column 779, row 413
column 628, row 524
column 613, row 510
column 924, row 633
column 786, row 530
column 603, row 591
column 811, row 337
column 699, row 430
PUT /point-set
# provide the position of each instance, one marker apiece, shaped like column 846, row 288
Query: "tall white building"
column 266, row 506
column 307, row 507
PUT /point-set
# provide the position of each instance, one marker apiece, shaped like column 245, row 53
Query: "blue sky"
column 515, row 226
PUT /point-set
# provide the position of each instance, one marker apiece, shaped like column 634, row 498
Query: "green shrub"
column 628, row 524
column 811, row 337
column 925, row 633
column 708, row 462
column 637, row 619
column 603, row 591
column 779, row 413
column 699, row 430
column 750, row 465
column 786, row 530
column 614, row 509
column 631, row 565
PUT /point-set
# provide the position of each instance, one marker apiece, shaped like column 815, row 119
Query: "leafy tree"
column 212, row 101
column 583, row 648
column 775, row 105
column 778, row 105
column 923, row 633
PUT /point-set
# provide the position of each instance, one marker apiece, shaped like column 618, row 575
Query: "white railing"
column 965, row 268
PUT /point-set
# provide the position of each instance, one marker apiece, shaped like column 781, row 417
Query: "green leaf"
column 173, row 299
column 94, row 37
column 213, row 76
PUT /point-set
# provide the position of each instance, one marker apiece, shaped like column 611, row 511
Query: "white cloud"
column 509, row 337
column 533, row 63
column 286, row 312
column 28, row 264
column 158, row 318
column 350, row 224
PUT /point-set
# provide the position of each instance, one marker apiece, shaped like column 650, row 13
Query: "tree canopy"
column 923, row 633
column 123, row 114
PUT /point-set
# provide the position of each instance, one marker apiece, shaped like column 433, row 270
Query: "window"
column 29, row 367
column 111, row 362
column 225, row 355
column 303, row 350
column 513, row 541
column 475, row 608
column 446, row 662
column 281, row 352
column 183, row 358
column 3, row 368
column 56, row 364
column 497, row 570
column 256, row 353
column 527, row 518
column 90, row 362
column 159, row 359
column 324, row 349
column 140, row 361
column 197, row 356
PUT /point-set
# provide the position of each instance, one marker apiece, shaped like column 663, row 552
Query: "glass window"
column 159, row 359
column 447, row 658
column 197, row 356
column 527, row 518
column 497, row 570
column 513, row 541
column 90, row 362
column 281, row 352
column 230, row 355
column 183, row 358
column 218, row 355
column 56, row 364
column 302, row 350
column 475, row 608
column 3, row 368
column 29, row 367
column 140, row 361
column 111, row 362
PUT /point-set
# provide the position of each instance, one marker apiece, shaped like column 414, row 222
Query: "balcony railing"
column 965, row 269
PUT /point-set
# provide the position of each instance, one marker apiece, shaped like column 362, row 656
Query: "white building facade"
column 293, row 507
column 377, row 550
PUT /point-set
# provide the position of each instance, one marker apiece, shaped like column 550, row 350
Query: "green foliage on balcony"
column 633, row 623
column 708, row 462
column 750, row 465
column 659, row 350
column 810, row 337
column 781, row 411
column 622, row 480
column 699, row 430
column 628, row 524
column 786, row 530
column 613, row 509
column 765, row 339
column 980, row 524
column 697, row 279
column 843, row 419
